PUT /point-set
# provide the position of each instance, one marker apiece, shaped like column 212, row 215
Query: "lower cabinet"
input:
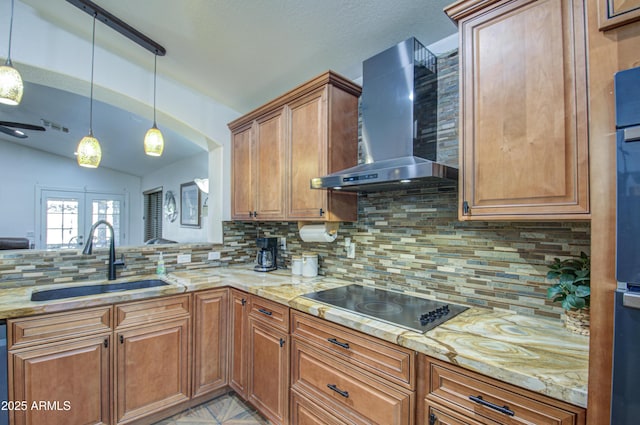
column 268, row 383
column 349, row 375
column 152, row 369
column 210, row 310
column 61, row 383
column 307, row 412
column 238, row 328
column 453, row 395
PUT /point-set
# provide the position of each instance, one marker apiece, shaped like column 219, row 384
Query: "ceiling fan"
column 15, row 128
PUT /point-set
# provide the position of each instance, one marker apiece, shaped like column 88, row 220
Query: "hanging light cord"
column 93, row 52
column 10, row 31
column 155, row 77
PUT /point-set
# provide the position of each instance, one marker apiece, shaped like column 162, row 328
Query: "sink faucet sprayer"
column 88, row 247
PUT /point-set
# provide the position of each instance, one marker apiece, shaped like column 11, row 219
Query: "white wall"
column 24, row 169
column 170, row 178
column 47, row 54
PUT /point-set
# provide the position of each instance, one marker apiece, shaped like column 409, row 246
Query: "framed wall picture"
column 189, row 205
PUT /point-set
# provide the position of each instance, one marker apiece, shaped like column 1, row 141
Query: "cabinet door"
column 307, row 155
column 152, row 369
column 70, row 378
column 523, row 144
column 210, row 341
column 269, row 167
column 242, row 184
column 615, row 13
column 238, row 342
column 268, row 384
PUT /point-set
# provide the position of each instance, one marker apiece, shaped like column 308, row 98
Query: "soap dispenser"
column 160, row 268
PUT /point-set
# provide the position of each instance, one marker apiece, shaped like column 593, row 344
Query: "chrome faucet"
column 88, row 247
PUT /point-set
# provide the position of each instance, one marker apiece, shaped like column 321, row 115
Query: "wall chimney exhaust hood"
column 399, row 108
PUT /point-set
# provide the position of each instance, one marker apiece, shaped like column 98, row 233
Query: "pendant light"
column 89, row 152
column 11, row 86
column 153, row 140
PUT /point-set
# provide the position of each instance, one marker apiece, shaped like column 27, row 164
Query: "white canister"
column 309, row 264
column 296, row 265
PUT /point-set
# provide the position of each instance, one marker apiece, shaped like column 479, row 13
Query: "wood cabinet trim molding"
column 152, row 311
column 329, row 77
column 608, row 19
column 463, row 8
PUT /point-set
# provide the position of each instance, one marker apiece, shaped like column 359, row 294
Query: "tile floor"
column 227, row 409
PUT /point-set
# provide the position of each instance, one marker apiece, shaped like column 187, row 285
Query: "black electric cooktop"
column 417, row 314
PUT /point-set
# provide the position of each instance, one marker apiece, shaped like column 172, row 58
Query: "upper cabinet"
column 278, row 148
column 523, row 109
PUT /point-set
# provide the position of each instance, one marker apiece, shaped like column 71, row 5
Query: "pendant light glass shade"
column 89, row 152
column 153, row 140
column 11, row 86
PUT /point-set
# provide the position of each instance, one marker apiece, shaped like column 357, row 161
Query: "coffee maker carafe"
column 266, row 259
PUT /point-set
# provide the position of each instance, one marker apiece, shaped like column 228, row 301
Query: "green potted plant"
column 573, row 290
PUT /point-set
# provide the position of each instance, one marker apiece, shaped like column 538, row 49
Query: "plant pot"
column 578, row 321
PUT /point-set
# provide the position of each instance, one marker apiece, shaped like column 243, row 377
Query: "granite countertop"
column 537, row 354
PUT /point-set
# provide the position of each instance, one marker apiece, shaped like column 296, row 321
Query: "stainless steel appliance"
column 625, row 403
column 399, row 124
column 267, row 256
column 414, row 313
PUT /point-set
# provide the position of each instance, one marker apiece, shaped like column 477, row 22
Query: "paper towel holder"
column 331, row 226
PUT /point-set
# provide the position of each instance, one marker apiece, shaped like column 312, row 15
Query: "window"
column 152, row 214
column 66, row 217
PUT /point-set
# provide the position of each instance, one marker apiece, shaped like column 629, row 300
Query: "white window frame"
column 85, row 198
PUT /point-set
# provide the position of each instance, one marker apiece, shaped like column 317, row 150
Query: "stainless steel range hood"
column 399, row 108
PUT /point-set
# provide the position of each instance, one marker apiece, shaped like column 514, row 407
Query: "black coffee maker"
column 266, row 260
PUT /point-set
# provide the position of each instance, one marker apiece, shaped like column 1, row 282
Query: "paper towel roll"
column 317, row 233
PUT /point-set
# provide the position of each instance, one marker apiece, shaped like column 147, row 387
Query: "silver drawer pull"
column 501, row 409
column 336, row 342
column 333, row 387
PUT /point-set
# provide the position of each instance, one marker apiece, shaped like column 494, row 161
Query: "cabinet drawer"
column 387, row 360
column 270, row 312
column 151, row 311
column 58, row 326
column 437, row 415
column 305, row 412
column 349, row 392
column 482, row 398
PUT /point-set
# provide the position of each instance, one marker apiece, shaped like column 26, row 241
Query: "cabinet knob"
column 321, row 212
column 432, row 419
column 250, row 214
column 243, row 301
column 121, row 339
column 255, row 214
column 282, row 341
column 106, row 342
column 465, row 208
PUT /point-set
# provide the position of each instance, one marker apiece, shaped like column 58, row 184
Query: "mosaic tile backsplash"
column 406, row 240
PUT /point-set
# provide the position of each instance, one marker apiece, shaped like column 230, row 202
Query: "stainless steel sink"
column 79, row 291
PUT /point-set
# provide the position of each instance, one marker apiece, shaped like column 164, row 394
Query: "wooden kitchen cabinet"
column 342, row 373
column 210, row 341
column 523, row 109
column 268, row 359
column 453, row 395
column 268, row 371
column 307, row 132
column 258, row 155
column 72, row 376
column 152, row 364
column 65, row 359
column 238, row 329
